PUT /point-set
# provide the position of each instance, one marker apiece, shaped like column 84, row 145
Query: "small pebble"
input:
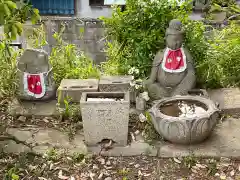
column 108, row 163
column 137, row 165
column 108, row 178
column 22, row 119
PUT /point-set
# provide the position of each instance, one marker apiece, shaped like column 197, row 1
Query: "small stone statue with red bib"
column 173, row 70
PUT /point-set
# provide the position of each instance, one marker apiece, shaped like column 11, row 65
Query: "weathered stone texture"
column 224, row 142
column 105, row 119
column 41, row 140
column 73, row 88
column 227, row 98
column 134, row 149
column 183, row 130
column 114, row 83
column 29, row 108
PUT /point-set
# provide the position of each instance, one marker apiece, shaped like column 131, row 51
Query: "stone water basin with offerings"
column 184, row 119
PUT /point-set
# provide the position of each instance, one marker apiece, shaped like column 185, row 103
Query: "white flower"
column 137, row 86
column 137, row 71
column 145, row 96
column 142, row 118
column 131, row 70
column 132, row 83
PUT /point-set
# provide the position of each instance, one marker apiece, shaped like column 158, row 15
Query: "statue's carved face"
column 174, row 41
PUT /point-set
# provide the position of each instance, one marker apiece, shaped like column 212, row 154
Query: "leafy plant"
column 8, row 79
column 138, row 33
column 189, row 161
column 70, row 63
column 224, row 2
column 220, row 67
column 12, row 174
column 13, row 14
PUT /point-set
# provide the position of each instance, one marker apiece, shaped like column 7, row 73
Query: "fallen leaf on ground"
column 42, row 178
column 232, row 173
column 223, row 176
column 60, row 175
column 177, row 160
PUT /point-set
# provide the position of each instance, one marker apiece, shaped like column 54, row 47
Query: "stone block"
column 31, row 108
column 69, row 37
column 117, row 83
column 114, row 83
column 105, row 115
column 227, row 98
column 170, row 150
column 73, row 88
column 93, row 33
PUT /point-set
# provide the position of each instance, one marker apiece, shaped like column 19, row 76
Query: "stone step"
column 228, row 99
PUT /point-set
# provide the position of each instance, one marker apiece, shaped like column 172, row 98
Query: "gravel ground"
column 78, row 167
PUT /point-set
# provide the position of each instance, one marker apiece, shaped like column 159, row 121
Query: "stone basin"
column 184, row 119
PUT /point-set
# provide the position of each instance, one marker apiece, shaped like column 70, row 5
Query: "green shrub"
column 221, row 66
column 138, row 33
column 224, row 2
column 70, row 63
column 8, row 79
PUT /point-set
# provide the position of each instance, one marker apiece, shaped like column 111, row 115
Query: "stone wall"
column 86, row 34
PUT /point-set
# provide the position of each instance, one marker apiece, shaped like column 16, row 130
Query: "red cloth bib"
column 34, row 84
column 174, row 60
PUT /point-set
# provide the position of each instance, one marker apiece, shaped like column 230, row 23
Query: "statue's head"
column 174, row 34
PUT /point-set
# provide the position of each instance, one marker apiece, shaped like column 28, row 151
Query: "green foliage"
column 8, row 79
column 221, row 66
column 36, row 37
column 70, row 63
column 12, row 174
column 138, row 33
column 13, row 14
column 231, row 8
column 224, row 2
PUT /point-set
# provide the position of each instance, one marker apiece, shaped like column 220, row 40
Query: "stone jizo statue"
column 202, row 5
column 35, row 75
column 172, row 71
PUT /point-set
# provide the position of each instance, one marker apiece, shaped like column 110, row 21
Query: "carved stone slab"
column 105, row 119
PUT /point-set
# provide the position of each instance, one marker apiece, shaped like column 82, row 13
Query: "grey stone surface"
column 224, row 142
column 114, row 83
column 228, row 99
column 73, row 88
column 117, row 83
column 185, row 130
column 21, row 134
column 134, row 149
column 12, row 147
column 105, row 119
column 41, row 140
column 202, row 5
column 29, row 108
column 35, row 61
column 196, row 16
column 170, row 150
